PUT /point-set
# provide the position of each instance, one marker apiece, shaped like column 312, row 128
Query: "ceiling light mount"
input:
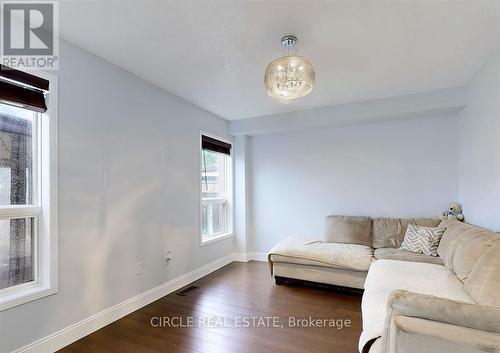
column 288, row 41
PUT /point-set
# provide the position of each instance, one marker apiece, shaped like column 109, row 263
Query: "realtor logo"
column 29, row 35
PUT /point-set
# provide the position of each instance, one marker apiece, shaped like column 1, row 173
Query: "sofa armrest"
column 419, row 315
column 415, row 335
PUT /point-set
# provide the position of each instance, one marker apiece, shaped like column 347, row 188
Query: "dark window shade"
column 211, row 144
column 24, row 78
column 13, row 89
column 22, row 97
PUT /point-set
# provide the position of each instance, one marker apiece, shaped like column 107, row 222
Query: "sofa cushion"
column 389, row 232
column 483, row 283
column 403, row 255
column 348, row 230
column 385, row 276
column 462, row 245
column 335, row 255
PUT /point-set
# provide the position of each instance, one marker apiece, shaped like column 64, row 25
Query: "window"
column 28, row 232
column 216, row 189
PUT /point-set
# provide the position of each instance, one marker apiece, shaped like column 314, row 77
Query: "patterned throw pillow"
column 422, row 240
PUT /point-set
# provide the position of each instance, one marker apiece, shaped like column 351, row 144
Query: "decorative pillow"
column 422, row 240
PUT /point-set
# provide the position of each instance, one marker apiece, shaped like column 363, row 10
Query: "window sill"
column 23, row 295
column 214, row 239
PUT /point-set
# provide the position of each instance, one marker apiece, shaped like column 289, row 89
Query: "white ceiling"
column 214, row 53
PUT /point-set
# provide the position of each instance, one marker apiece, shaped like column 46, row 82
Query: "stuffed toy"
column 454, row 211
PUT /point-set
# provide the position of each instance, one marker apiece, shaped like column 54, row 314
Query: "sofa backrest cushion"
column 483, row 284
column 462, row 245
column 390, row 232
column 348, row 230
column 403, row 255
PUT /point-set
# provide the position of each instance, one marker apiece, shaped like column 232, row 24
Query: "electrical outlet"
column 167, row 257
column 138, row 268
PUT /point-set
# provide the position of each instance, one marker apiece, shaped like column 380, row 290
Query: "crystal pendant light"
column 290, row 76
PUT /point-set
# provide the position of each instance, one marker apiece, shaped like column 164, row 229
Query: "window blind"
column 211, row 144
column 21, row 89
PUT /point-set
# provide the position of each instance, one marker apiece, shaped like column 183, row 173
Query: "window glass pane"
column 4, row 186
column 204, row 219
column 16, row 251
column 213, row 217
column 16, row 162
column 219, row 217
column 213, row 176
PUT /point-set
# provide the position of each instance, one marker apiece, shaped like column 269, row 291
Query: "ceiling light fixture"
column 291, row 76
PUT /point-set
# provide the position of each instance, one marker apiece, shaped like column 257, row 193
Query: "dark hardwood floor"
column 226, row 300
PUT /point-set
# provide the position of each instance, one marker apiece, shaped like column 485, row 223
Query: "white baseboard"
column 250, row 256
column 240, row 257
column 93, row 323
column 257, row 256
column 70, row 334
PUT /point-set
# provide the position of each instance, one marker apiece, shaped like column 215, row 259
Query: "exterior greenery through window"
column 215, row 194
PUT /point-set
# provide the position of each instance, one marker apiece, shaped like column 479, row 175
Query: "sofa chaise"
column 412, row 303
column 344, row 261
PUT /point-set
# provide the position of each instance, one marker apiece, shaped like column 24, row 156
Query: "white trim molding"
column 240, row 257
column 250, row 256
column 215, row 239
column 70, row 334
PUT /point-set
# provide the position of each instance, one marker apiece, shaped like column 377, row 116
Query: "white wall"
column 128, row 189
column 392, row 168
column 427, row 104
column 480, row 147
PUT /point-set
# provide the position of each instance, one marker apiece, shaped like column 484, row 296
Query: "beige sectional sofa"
column 345, row 263
column 412, row 303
